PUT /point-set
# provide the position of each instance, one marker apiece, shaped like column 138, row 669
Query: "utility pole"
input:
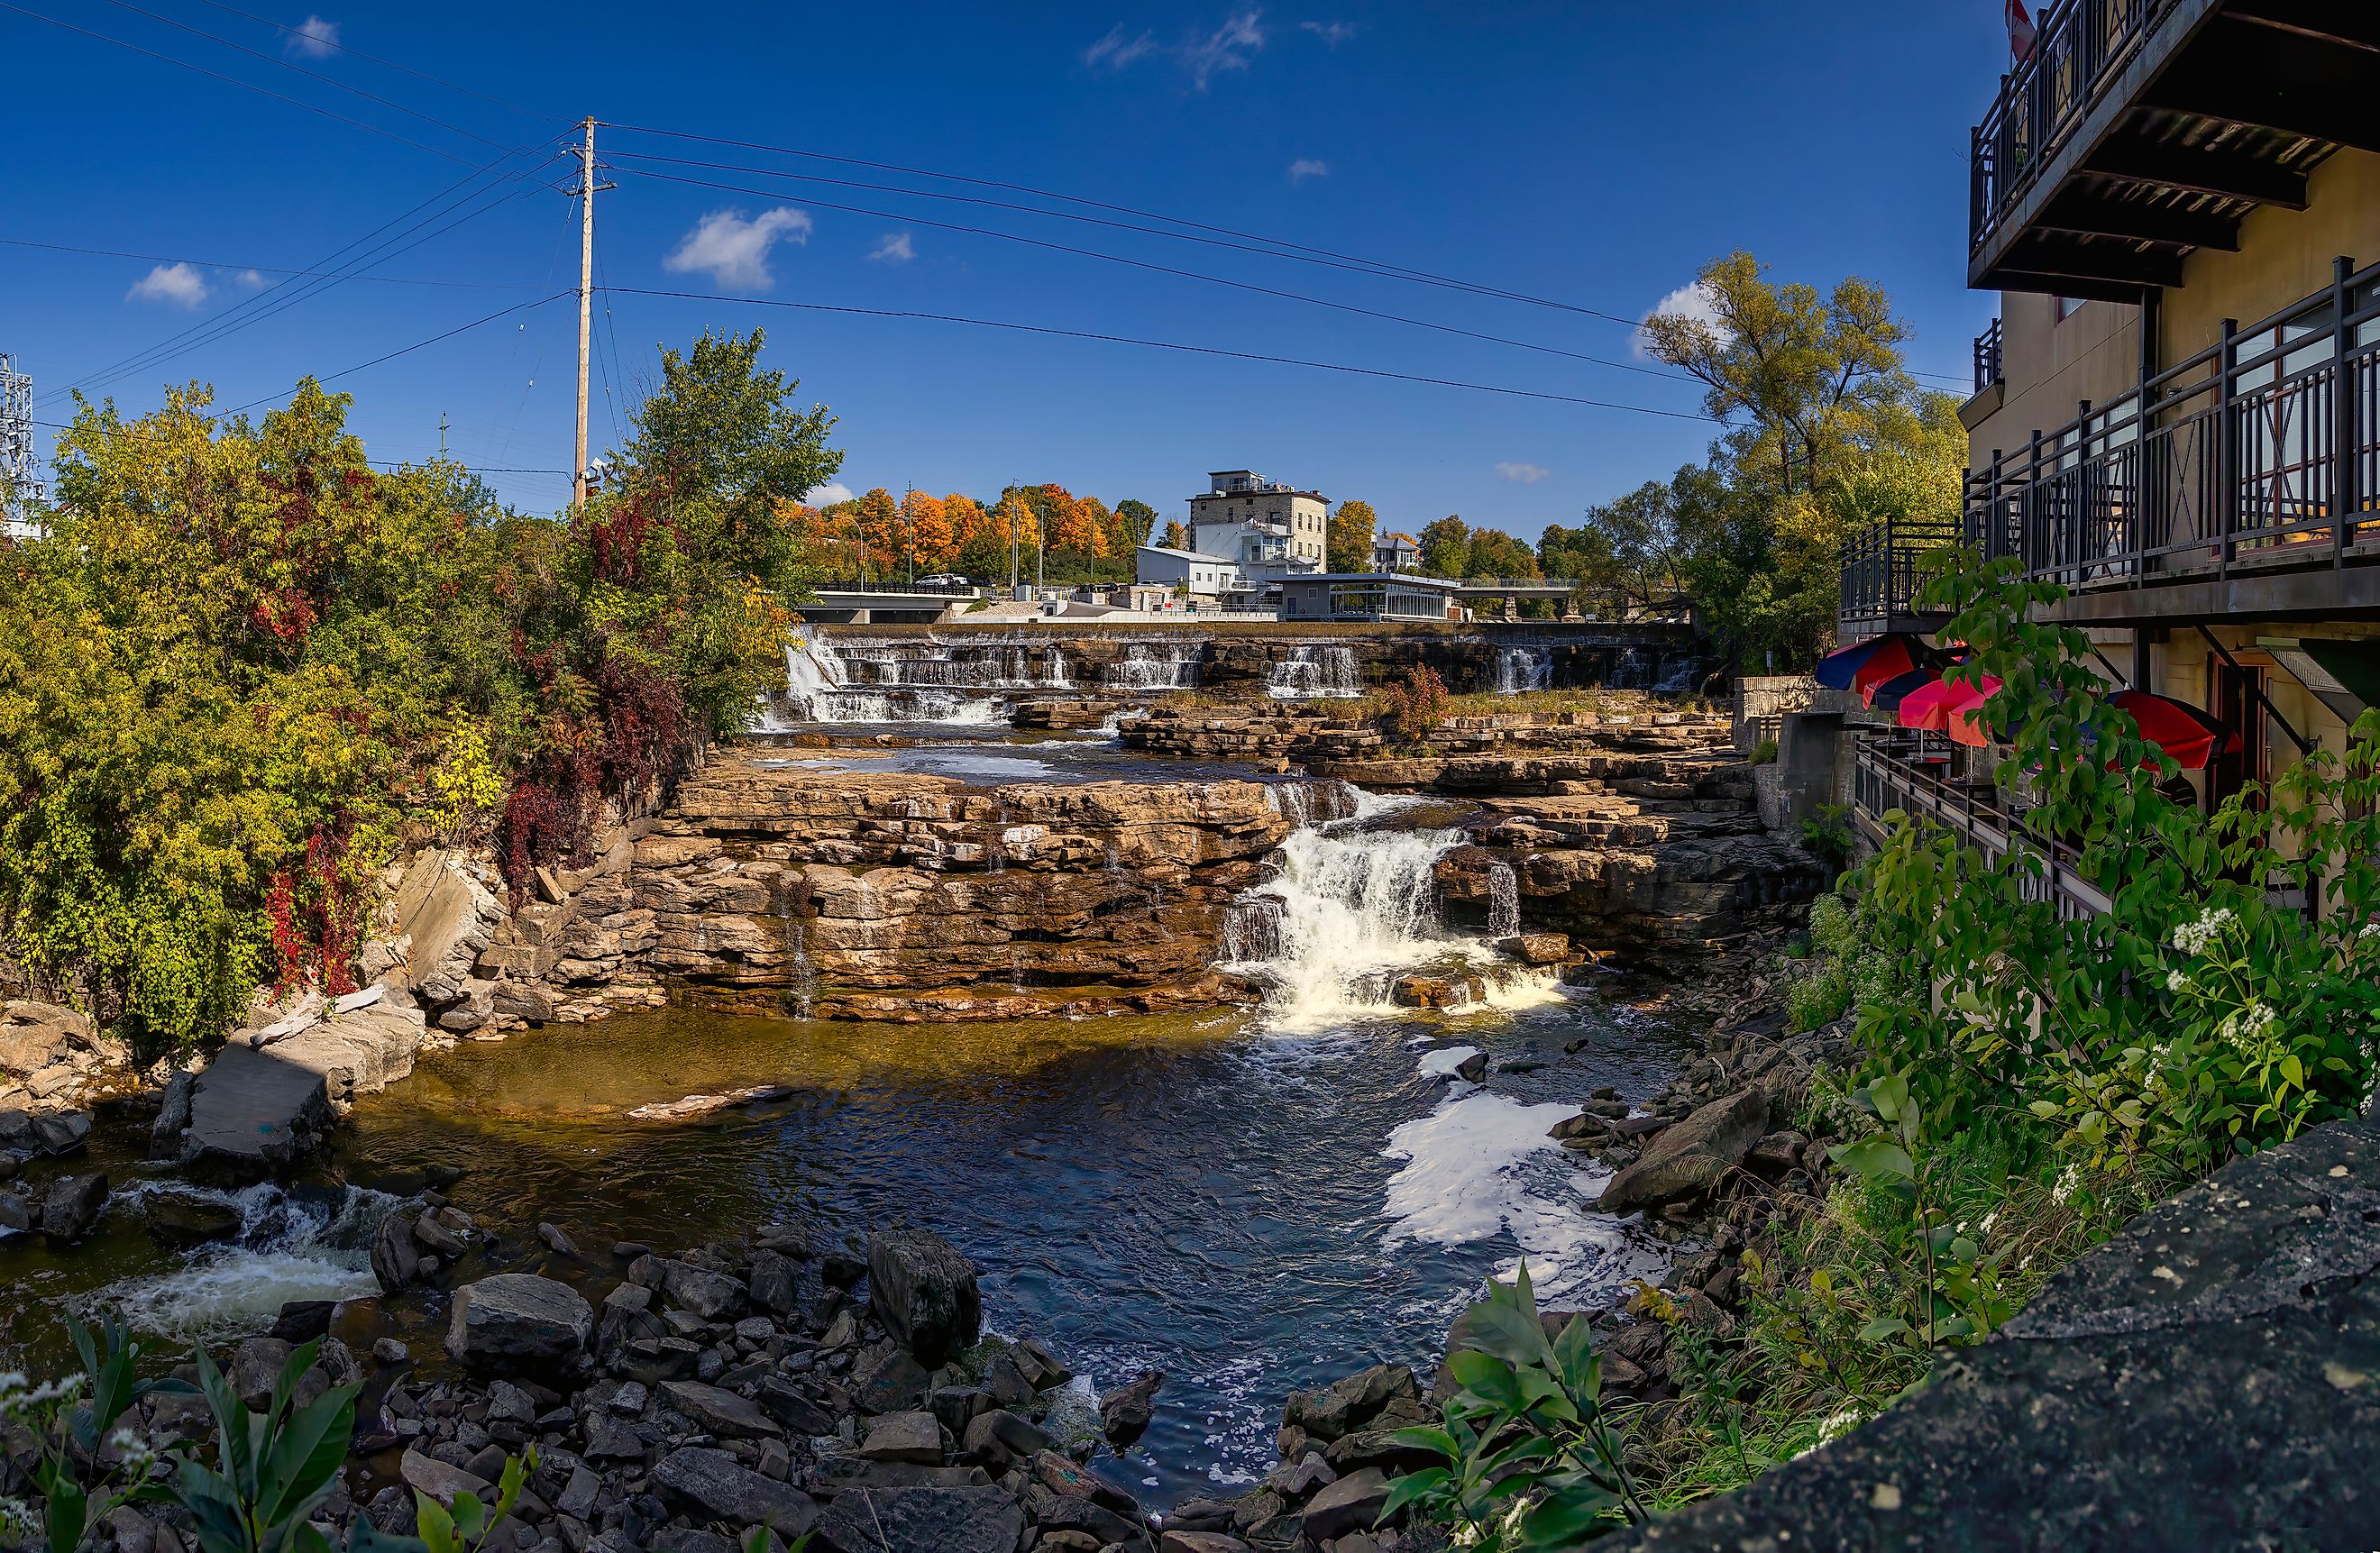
column 1014, row 553
column 586, row 190
column 442, row 434
column 909, row 525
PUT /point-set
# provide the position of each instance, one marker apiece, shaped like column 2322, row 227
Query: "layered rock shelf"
column 885, row 895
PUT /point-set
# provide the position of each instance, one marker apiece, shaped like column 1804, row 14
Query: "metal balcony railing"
column 2080, row 44
column 1987, row 357
column 1887, row 566
column 1892, row 771
column 2261, row 451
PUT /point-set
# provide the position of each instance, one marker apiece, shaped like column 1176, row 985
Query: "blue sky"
column 1591, row 155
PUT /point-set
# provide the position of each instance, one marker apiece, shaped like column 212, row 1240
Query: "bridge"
column 878, row 603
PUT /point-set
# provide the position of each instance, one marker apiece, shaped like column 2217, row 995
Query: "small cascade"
column 856, row 679
column 1316, row 673
column 1351, row 905
column 1154, row 666
column 1523, row 668
column 294, row 1243
column 1304, row 804
column 1503, row 901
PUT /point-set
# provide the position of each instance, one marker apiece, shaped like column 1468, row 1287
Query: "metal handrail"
column 2264, row 446
column 1987, row 357
column 2078, row 45
column 1883, row 781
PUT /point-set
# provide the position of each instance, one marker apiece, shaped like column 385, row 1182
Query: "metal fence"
column 2080, row 44
column 1889, row 775
column 2262, row 450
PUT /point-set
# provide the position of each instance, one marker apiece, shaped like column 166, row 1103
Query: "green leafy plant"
column 85, row 1466
column 1533, row 1458
column 1826, row 835
column 1763, row 753
column 273, row 1469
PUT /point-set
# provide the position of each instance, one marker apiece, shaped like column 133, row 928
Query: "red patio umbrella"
column 1947, row 707
column 2192, row 737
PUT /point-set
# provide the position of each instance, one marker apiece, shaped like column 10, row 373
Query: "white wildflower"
column 133, row 1450
column 2366, row 933
column 2175, row 981
column 1989, row 1219
column 2067, row 1182
column 1837, row 1424
column 18, row 1521
column 2191, row 938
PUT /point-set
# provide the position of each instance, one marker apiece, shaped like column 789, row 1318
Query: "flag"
column 2022, row 31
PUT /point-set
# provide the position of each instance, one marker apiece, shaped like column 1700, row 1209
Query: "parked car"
column 945, row 579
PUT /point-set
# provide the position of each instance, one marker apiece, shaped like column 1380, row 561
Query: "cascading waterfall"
column 1353, row 905
column 1523, row 668
column 827, row 681
column 1154, row 666
column 293, row 1244
column 1503, row 901
column 1315, row 674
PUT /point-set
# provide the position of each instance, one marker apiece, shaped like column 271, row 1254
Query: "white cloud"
column 1331, row 32
column 828, row 495
column 180, row 284
column 896, row 249
column 733, row 250
column 314, row 39
column 1691, row 300
column 252, row 279
column 1522, row 473
column 1306, row 167
column 1225, row 49
column 1115, row 50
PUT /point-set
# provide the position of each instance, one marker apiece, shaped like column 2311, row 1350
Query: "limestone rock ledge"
column 2208, row 1379
column 886, row 896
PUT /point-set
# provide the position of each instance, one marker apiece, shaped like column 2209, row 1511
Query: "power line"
column 1164, row 345
column 1287, row 249
column 262, row 269
column 235, row 80
column 1164, row 270
column 221, row 325
column 407, row 350
column 317, row 40
column 314, row 75
column 1272, row 248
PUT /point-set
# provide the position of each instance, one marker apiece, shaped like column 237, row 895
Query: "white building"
column 1272, row 530
column 1395, row 552
column 1204, row 576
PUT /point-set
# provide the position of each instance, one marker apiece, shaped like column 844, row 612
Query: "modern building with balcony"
column 2177, row 415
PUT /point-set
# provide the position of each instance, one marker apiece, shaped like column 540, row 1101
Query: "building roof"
column 1392, row 580
column 1187, row 555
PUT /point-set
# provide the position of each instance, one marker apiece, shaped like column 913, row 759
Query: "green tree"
column 1136, row 519
column 1348, row 546
column 1446, row 548
column 1825, row 431
column 1176, row 536
column 1495, row 553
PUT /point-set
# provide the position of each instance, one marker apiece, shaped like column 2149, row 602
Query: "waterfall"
column 827, row 681
column 294, row 1243
column 1503, row 902
column 1313, row 673
column 1351, row 906
column 1523, row 668
column 1154, row 666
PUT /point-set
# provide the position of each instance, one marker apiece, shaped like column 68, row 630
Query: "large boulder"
column 1349, row 1403
column 396, row 1259
column 186, row 1216
column 717, row 1410
column 1352, row 1504
column 722, row 1488
column 923, row 1520
column 71, row 1206
column 1125, row 1412
column 924, row 1293
column 1685, row 1161
column 519, row 1322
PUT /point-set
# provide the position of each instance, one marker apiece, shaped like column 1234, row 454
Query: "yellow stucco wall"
column 2051, row 364
column 2284, row 255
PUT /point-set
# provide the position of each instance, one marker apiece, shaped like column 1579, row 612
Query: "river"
column 1252, row 1201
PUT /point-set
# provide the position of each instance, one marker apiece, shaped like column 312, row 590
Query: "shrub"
column 1415, row 706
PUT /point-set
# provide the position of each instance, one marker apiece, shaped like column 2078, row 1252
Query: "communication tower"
column 21, row 489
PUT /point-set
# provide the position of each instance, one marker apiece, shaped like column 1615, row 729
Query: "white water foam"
column 1441, row 1062
column 288, row 1248
column 1480, row 1166
column 1315, row 673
